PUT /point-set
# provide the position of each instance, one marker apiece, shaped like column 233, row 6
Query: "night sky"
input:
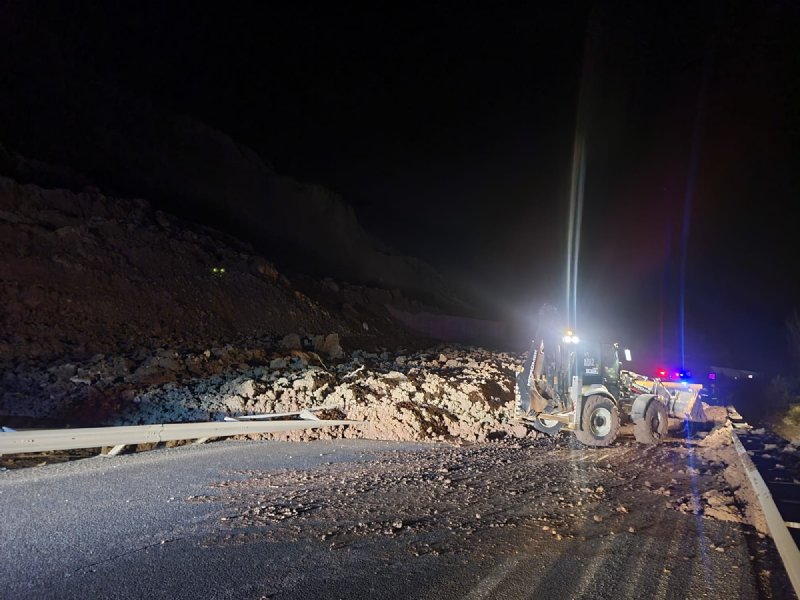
column 450, row 129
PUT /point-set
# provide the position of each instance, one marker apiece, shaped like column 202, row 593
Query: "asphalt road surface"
column 361, row 519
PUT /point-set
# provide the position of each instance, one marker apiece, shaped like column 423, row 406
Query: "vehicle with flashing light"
column 674, row 374
column 567, row 383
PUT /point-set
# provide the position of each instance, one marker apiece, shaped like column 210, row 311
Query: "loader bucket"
column 686, row 405
column 529, row 401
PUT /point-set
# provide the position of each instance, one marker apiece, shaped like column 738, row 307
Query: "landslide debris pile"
column 450, row 393
column 447, row 393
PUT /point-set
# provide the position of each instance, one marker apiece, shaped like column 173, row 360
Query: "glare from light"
column 570, row 338
column 628, row 355
column 750, row 376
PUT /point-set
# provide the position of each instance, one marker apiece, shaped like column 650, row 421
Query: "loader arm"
column 530, row 399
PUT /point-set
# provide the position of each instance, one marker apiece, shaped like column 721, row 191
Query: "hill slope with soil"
column 111, row 286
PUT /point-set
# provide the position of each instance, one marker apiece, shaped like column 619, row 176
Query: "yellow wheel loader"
column 570, row 384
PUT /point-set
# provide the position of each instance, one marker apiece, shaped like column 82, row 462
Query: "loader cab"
column 611, row 368
column 599, row 364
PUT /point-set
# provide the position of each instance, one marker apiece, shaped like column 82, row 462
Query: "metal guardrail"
column 42, row 440
column 787, row 549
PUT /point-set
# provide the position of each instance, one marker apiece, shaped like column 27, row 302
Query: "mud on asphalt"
column 510, row 496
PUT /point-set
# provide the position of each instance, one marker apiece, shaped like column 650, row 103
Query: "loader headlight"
column 571, row 338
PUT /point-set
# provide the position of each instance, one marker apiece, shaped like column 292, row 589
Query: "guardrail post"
column 116, row 450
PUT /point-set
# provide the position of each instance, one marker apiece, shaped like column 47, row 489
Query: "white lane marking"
column 666, row 572
column 637, row 571
column 588, row 575
column 488, row 584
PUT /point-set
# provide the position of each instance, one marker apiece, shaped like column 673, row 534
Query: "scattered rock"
column 718, row 437
column 331, row 346
column 292, row 342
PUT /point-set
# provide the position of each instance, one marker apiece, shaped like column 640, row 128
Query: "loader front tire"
column 599, row 422
column 652, row 428
column 544, row 425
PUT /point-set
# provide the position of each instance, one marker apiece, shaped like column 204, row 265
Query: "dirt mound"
column 718, row 437
column 717, row 414
column 449, row 393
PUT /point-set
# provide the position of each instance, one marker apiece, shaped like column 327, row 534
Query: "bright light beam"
column 578, row 178
column 694, row 159
column 574, row 226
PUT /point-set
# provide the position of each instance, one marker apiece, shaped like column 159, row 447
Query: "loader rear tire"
column 652, row 428
column 599, row 422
